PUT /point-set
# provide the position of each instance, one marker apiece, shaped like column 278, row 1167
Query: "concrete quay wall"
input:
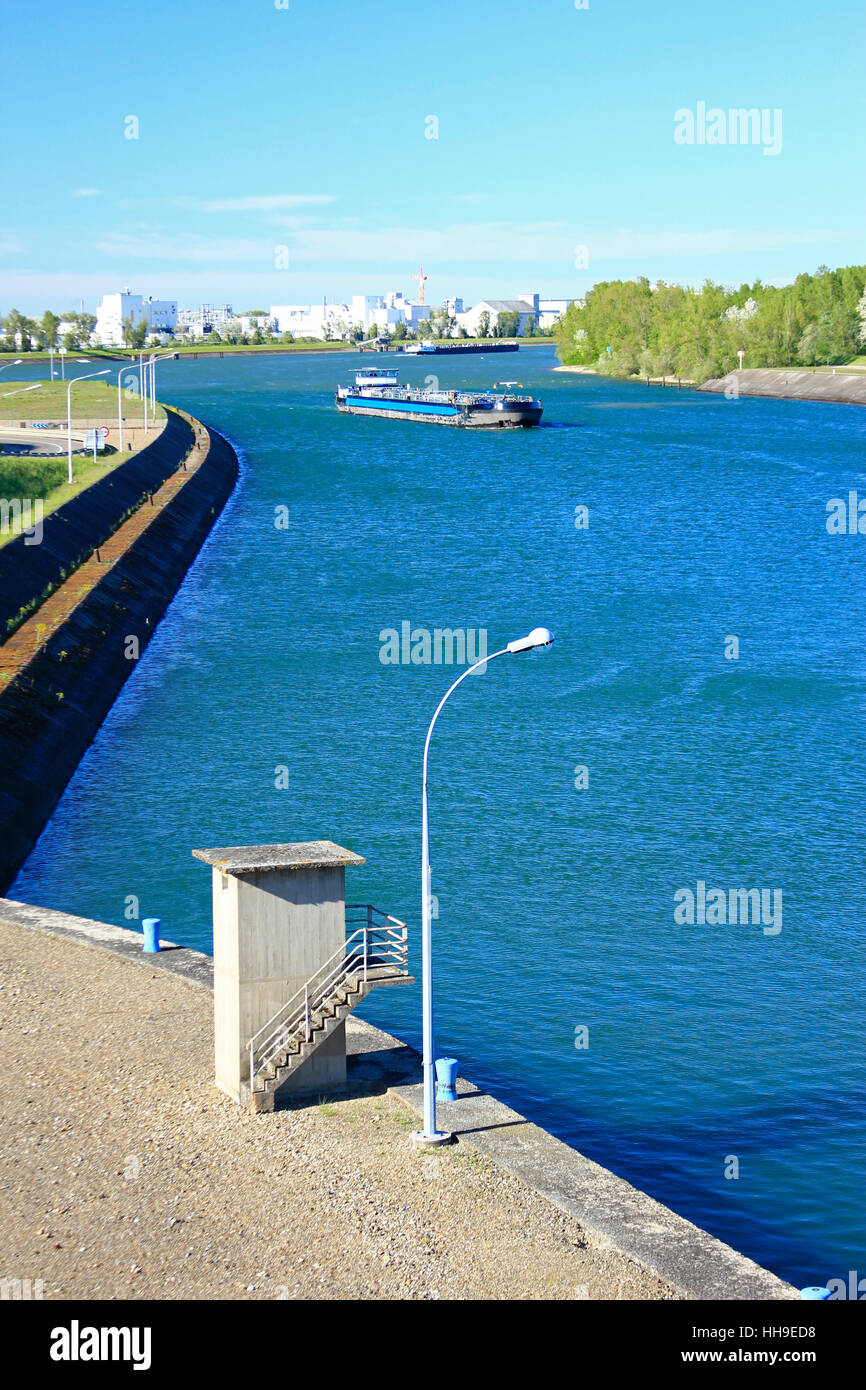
column 62, row 670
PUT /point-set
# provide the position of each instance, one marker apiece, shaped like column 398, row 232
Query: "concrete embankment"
column 63, row 667
column 127, row 1174
column 789, row 383
column 29, row 572
column 509, row 1211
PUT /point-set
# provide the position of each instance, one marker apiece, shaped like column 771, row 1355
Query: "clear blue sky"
column 305, row 127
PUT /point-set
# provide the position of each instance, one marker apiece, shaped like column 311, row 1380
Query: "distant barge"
column 442, row 347
column 379, row 393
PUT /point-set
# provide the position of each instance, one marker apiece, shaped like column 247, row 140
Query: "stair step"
column 328, row 1014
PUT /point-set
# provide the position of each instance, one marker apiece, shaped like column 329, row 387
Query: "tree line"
column 18, row 333
column 632, row 327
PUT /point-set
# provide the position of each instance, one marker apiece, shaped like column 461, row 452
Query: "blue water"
column 556, row 905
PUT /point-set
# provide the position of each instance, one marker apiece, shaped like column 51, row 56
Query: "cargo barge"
column 379, row 393
column 452, row 346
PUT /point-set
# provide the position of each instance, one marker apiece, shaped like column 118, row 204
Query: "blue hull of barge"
column 386, row 407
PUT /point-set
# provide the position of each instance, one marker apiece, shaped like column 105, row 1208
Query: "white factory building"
column 337, row 320
column 198, row 323
column 529, row 308
column 221, row 318
column 160, row 315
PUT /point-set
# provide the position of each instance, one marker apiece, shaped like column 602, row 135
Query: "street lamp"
column 16, row 363
column 429, row 1135
column 70, row 479
column 21, row 390
column 142, row 391
column 126, row 368
column 157, row 357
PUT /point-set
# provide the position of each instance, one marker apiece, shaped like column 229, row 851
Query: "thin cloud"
column 204, row 250
column 86, row 192
column 542, row 247
column 269, row 202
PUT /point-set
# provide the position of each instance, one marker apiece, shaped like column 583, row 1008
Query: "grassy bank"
column 237, row 349
column 119, row 355
column 44, row 476
column 91, row 400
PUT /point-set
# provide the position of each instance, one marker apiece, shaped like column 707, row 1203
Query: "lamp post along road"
column 120, row 410
column 142, row 390
column 70, row 479
column 157, row 357
column 430, row 1135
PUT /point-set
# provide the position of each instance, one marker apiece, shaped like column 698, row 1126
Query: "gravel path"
column 124, row 1173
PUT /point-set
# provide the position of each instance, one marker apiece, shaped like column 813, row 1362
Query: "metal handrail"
column 370, row 946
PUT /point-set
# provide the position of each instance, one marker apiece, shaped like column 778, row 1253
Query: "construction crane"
column 420, row 277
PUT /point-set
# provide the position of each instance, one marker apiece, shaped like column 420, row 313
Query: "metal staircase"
column 374, row 953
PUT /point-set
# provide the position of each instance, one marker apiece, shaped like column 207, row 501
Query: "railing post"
column 252, row 1074
column 366, row 929
column 307, row 1012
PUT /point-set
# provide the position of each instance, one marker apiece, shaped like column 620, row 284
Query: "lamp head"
column 538, row 637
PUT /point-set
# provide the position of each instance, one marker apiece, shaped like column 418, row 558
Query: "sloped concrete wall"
column 51, row 711
column 86, row 521
column 792, row 383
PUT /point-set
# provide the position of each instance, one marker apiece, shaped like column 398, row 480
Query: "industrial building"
column 160, row 315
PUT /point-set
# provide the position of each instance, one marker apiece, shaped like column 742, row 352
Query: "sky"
column 262, row 152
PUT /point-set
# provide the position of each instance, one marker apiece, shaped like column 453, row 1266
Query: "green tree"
column 807, row 348
column 18, row 331
column 48, row 325
column 484, row 324
column 696, row 333
column 84, row 326
column 134, row 334
column 647, row 362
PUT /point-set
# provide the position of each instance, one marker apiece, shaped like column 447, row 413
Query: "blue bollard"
column 815, row 1291
column 150, row 926
column 446, row 1078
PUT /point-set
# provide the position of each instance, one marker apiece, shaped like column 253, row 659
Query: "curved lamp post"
column 70, row 479
column 539, row 637
column 156, row 357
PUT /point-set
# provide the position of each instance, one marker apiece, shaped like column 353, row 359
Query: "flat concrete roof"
column 303, row 854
